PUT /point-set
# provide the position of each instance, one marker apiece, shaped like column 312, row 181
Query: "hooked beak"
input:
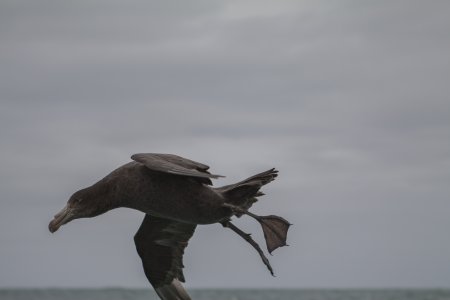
column 61, row 218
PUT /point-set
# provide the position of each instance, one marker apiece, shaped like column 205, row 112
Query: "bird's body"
column 176, row 195
column 178, row 198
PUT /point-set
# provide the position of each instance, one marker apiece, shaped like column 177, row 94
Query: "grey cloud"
column 348, row 100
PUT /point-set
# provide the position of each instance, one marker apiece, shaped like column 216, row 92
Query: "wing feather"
column 173, row 164
column 160, row 243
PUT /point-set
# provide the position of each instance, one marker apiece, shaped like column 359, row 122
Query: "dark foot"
column 247, row 237
column 275, row 228
column 275, row 231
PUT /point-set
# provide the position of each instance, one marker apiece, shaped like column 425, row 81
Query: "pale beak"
column 61, row 218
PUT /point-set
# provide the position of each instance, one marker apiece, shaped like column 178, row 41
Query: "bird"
column 176, row 195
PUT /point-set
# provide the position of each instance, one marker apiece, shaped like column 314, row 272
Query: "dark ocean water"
column 229, row 294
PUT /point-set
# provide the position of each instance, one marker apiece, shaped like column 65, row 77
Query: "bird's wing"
column 174, row 164
column 160, row 243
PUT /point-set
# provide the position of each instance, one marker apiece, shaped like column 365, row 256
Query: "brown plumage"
column 176, row 195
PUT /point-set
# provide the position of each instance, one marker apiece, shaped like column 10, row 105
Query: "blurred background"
column 348, row 99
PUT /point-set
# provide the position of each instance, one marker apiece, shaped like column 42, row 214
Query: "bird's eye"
column 78, row 200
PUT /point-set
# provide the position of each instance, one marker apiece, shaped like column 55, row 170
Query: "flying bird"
column 176, row 195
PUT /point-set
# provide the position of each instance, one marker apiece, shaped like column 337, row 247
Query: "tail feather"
column 242, row 191
column 264, row 177
column 245, row 192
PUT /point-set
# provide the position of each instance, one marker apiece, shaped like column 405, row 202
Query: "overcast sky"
column 348, row 99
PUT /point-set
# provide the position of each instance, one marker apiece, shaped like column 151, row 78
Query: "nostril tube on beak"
column 61, row 218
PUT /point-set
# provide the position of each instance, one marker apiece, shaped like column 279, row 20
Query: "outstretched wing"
column 176, row 165
column 160, row 243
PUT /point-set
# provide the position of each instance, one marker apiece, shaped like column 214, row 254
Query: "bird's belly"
column 195, row 210
column 191, row 210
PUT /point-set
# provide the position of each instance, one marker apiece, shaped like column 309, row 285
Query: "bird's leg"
column 248, row 238
column 274, row 227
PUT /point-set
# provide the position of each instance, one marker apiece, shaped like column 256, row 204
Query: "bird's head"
column 85, row 203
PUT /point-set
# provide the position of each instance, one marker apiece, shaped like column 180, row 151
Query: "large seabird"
column 176, row 195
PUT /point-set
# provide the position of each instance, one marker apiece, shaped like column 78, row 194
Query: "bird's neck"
column 104, row 196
